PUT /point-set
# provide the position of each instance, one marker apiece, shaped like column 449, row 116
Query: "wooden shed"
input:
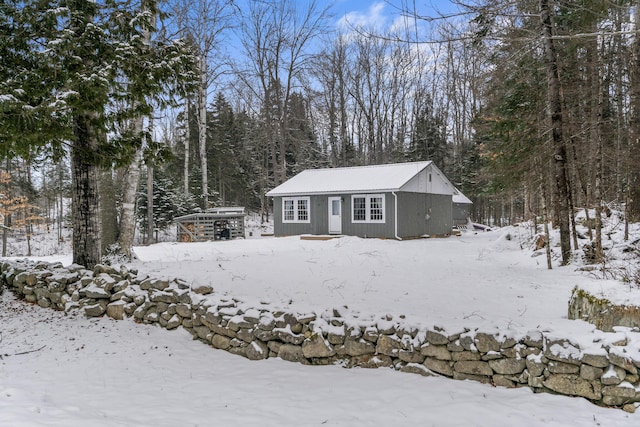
column 401, row 201
column 214, row 224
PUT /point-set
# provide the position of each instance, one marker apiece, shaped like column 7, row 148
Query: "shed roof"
column 377, row 178
column 460, row 198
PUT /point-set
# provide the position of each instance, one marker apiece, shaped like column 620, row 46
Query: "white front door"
column 335, row 215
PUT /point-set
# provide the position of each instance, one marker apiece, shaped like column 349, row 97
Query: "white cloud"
column 373, row 18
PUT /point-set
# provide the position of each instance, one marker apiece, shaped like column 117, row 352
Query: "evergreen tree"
column 84, row 68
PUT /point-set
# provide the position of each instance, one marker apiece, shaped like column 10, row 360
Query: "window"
column 359, row 208
column 295, row 209
column 288, row 210
column 367, row 208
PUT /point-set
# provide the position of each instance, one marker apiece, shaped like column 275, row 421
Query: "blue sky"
column 382, row 14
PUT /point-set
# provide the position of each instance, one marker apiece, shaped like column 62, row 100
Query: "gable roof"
column 460, row 198
column 359, row 179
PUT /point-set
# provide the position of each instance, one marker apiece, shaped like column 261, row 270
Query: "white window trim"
column 295, row 210
column 367, row 198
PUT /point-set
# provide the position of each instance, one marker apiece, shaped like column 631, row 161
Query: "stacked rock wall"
column 607, row 373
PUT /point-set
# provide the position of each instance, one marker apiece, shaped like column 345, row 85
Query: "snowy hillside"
column 69, row 371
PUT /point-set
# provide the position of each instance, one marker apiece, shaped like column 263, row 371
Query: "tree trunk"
column 187, row 141
column 633, row 185
column 554, row 106
column 131, row 174
column 87, row 233
column 149, row 202
column 130, row 182
column 202, row 130
column 108, row 211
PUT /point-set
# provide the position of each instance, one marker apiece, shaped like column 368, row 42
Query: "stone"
column 436, row 338
column 389, row 345
column 96, row 292
column 115, row 310
column 183, row 310
column 358, row 347
column 492, row 355
column 105, row 282
column 263, row 335
column 415, row 368
column 151, row 316
column 121, row 286
column 563, row 351
column 535, row 382
column 507, row 343
column 56, row 286
column 556, row 367
column 104, row 269
column 256, row 350
column 203, row 333
column 618, row 395
column 245, row 335
column 466, row 341
column 508, row 366
column 410, row 356
column 437, row 351
column 534, row 365
column 371, row 361
column 202, row 289
column 94, row 310
column 503, row 381
column 291, row 353
column 455, row 346
column 371, row 334
column 623, row 362
column 237, row 322
column 287, row 336
column 317, row 348
column 139, row 299
column 473, row 367
column 590, row 373
column 465, row 355
column 485, row 342
column 44, row 302
column 471, row 377
column 597, row 360
column 533, row 338
column 613, row 376
column 160, row 296
column 573, row 385
column 440, row 366
column 174, row 322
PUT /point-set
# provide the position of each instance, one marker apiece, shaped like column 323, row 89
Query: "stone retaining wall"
column 601, row 312
column 606, row 374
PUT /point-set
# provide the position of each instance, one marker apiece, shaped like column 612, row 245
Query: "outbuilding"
column 400, row 200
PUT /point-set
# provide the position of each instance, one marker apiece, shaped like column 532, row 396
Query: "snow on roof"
column 389, row 177
column 460, row 198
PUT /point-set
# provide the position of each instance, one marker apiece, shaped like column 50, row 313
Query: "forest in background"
column 531, row 108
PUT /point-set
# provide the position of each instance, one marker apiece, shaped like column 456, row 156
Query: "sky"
column 383, row 14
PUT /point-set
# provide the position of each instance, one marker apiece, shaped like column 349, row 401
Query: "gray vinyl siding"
column 460, row 213
column 385, row 230
column 412, row 212
column 318, row 214
column 421, row 214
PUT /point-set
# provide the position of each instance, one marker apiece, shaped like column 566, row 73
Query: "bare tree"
column 276, row 36
column 205, row 23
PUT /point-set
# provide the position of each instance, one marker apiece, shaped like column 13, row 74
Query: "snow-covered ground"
column 62, row 370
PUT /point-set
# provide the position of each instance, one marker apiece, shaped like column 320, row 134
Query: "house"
column 402, row 200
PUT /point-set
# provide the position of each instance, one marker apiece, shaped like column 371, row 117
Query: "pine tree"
column 83, row 69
